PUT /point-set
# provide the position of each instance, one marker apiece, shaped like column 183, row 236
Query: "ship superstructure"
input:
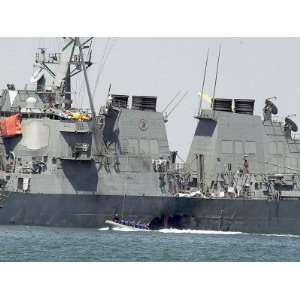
column 61, row 152
column 239, row 154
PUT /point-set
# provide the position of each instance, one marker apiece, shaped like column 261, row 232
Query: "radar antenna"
column 203, row 84
column 269, row 109
column 290, row 126
column 66, row 65
column 86, row 79
column 216, row 78
column 95, row 127
column 167, row 114
column 172, row 100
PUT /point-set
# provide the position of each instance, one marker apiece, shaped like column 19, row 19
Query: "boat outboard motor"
column 269, row 109
column 289, row 126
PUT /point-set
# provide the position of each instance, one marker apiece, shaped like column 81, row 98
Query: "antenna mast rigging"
column 216, row 78
column 203, row 84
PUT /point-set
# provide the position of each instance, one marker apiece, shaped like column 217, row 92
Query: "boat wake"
column 215, row 232
column 103, row 229
column 195, row 231
column 280, row 235
column 172, row 230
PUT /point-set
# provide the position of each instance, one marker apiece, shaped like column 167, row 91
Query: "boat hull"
column 115, row 225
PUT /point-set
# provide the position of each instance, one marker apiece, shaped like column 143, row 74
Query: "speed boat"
column 126, row 225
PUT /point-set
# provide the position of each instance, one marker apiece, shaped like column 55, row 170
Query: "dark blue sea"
column 27, row 243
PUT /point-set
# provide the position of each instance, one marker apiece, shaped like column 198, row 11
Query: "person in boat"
column 142, row 226
column 116, row 218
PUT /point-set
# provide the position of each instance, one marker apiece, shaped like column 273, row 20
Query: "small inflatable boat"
column 126, row 225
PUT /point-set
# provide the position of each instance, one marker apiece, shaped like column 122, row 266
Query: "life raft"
column 11, row 126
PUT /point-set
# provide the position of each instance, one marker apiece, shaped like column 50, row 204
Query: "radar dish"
column 270, row 104
column 30, row 102
column 293, row 126
column 37, row 75
column 274, row 108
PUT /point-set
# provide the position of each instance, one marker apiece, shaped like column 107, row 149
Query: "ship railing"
column 207, row 114
column 277, row 121
column 38, row 115
column 182, row 167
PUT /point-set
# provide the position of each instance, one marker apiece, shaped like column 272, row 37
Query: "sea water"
column 29, row 243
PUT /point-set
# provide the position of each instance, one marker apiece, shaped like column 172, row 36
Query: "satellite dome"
column 30, row 102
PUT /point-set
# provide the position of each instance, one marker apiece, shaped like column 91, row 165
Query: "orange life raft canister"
column 11, row 126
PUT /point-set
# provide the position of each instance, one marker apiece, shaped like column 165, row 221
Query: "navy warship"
column 63, row 166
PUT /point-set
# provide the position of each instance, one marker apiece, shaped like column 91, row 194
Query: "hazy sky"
column 249, row 68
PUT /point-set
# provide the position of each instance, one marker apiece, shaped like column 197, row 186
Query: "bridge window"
column 227, row 147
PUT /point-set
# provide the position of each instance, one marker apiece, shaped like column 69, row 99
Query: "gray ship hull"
column 250, row 216
column 253, row 216
column 79, row 210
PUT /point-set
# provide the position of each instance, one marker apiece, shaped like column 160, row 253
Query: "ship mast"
column 203, row 84
column 216, row 78
column 95, row 128
column 86, row 79
column 66, row 65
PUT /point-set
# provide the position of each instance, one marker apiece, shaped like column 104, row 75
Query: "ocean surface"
column 27, row 243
